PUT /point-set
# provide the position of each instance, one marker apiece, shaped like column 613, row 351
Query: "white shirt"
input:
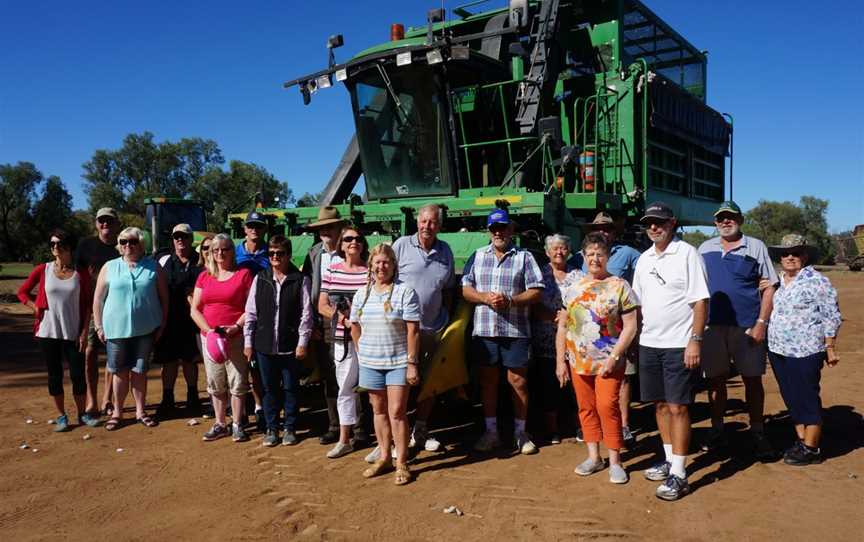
column 668, row 284
column 62, row 319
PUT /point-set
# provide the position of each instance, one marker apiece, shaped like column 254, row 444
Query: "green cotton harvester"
column 552, row 109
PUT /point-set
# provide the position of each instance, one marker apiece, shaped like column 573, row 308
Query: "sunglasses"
column 793, row 253
column 255, row 226
column 180, row 236
column 654, row 222
column 105, row 220
column 130, row 242
column 57, row 244
column 205, row 248
column 352, row 238
column 276, row 253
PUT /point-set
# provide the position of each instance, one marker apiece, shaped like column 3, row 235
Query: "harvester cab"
column 551, row 109
column 162, row 214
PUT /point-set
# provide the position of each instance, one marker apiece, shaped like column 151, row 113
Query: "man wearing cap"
column 503, row 283
column 179, row 341
column 426, row 264
column 251, row 253
column 622, row 263
column 328, row 227
column 671, row 284
column 92, row 253
column 737, row 321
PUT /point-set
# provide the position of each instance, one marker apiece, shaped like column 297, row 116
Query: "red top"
column 37, row 276
column 222, row 303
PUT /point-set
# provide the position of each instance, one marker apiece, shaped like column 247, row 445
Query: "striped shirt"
column 337, row 281
column 384, row 341
column 515, row 273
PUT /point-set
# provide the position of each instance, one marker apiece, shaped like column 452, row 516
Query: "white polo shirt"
column 668, row 284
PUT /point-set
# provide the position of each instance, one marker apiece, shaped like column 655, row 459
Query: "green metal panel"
column 464, row 244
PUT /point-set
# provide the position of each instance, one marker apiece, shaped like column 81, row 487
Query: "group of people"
column 369, row 318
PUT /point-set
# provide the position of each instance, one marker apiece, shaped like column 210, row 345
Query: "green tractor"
column 551, row 109
column 162, row 214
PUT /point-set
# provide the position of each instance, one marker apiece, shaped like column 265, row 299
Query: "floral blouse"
column 594, row 309
column 543, row 331
column 805, row 312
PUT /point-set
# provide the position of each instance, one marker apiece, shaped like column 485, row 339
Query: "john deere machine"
column 161, row 214
column 552, row 109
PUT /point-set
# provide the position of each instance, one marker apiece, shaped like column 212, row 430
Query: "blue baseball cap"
column 498, row 216
column 255, row 218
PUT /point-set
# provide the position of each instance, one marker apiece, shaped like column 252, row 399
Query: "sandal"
column 108, row 410
column 147, row 421
column 382, row 466
column 113, row 424
column 403, row 475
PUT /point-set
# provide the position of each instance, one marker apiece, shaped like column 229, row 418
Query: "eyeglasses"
column 792, row 253
column 179, row 236
column 276, row 253
column 656, row 274
column 105, row 220
column 56, row 244
column 222, row 249
column 130, row 242
column 352, row 238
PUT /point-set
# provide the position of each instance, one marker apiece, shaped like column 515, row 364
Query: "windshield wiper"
column 392, row 92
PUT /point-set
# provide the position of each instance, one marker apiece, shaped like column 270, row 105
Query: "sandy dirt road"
column 168, row 484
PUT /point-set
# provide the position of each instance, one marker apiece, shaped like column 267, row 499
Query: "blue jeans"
column 279, row 375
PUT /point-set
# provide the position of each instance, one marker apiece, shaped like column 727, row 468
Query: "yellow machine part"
column 446, row 369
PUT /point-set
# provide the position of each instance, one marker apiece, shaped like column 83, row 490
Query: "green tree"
column 309, row 200
column 235, row 190
column 141, row 168
column 18, row 186
column 695, row 237
column 771, row 220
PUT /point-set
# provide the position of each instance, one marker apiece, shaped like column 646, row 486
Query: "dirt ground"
column 168, row 484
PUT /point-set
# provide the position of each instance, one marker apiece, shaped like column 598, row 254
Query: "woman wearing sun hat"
column 801, row 338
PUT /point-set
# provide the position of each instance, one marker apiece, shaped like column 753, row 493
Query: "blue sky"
column 79, row 76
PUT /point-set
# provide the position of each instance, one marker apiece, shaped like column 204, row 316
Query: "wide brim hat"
column 217, row 347
column 602, row 219
column 326, row 215
column 790, row 241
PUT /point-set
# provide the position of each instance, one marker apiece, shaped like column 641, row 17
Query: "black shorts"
column 663, row 376
column 171, row 348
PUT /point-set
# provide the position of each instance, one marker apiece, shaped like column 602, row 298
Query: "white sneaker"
column 375, row 455
column 420, row 438
column 339, row 450
column 488, row 442
column 524, row 444
column 433, row 444
column 617, row 474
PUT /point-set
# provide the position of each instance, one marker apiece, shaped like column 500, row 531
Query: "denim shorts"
column 378, row 379
column 509, row 352
column 131, row 353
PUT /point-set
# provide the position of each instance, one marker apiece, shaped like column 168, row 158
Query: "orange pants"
column 599, row 411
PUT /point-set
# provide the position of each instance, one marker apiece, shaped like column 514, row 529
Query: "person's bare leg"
column 489, row 389
column 121, row 389
column 381, row 422
column 80, row 402
column 139, row 393
column 614, row 457
column 624, row 401
column 593, row 451
column 169, row 377
column 518, row 380
column 717, row 396
column 812, row 435
column 754, row 394
column 220, row 406
column 109, row 390
column 664, row 421
column 238, row 406
column 91, row 372
column 397, row 403
column 679, row 425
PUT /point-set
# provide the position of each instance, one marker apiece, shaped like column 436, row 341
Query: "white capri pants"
column 347, row 374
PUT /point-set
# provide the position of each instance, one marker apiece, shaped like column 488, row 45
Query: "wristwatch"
column 615, row 357
column 761, row 321
column 696, row 338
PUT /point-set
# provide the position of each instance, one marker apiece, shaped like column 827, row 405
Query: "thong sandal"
column 382, row 466
column 403, row 475
column 147, row 421
column 112, row 424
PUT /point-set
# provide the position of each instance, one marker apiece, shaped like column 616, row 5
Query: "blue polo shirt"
column 733, row 280
column 429, row 274
column 255, row 261
column 622, row 262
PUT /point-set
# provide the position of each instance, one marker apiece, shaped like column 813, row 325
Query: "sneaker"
column 589, row 467
column 525, row 445
column 800, row 455
column 763, row 449
column 629, row 439
column 339, row 450
column 271, row 438
column 617, row 474
column 658, row 472
column 238, row 434
column 554, row 438
column 420, row 438
column 716, row 440
column 216, row 432
column 208, row 413
column 260, row 420
column 289, row 438
column 488, row 442
column 89, row 420
column 673, row 488
column 62, row 424
column 375, row 455
column 329, row 437
column 579, row 436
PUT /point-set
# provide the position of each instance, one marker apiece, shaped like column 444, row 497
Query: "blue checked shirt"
column 515, row 273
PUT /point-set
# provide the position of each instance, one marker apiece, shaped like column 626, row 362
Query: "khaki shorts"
column 231, row 376
column 725, row 344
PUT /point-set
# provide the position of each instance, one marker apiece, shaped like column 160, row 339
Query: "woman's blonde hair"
column 202, row 259
column 212, row 266
column 386, row 250
column 131, row 231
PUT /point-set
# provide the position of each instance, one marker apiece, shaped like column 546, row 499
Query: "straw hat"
column 326, row 215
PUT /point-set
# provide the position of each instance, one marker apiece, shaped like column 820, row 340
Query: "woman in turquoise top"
column 130, row 307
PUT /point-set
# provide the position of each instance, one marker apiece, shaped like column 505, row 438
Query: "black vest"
column 290, row 311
